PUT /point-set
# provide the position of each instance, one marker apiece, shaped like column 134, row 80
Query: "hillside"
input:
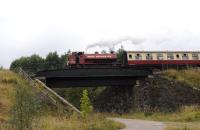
column 190, row 76
column 18, row 99
column 8, row 81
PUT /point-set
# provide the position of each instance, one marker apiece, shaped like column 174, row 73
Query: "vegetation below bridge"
column 23, row 107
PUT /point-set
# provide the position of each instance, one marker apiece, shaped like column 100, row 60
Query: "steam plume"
column 112, row 43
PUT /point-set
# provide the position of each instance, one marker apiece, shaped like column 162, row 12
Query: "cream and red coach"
column 156, row 58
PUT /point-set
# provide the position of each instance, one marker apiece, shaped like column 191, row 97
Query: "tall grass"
column 189, row 76
column 49, row 118
column 25, row 108
column 185, row 114
column 183, row 126
column 75, row 122
column 93, row 122
column 7, row 91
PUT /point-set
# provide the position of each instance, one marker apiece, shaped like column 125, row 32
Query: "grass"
column 50, row 120
column 186, row 114
column 188, row 118
column 92, row 122
column 7, row 84
column 189, row 76
column 183, row 126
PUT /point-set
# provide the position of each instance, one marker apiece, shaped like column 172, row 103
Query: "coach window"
column 185, row 56
column 160, row 56
column 170, row 56
column 149, row 56
column 130, row 56
column 138, row 56
column 195, row 56
column 177, row 56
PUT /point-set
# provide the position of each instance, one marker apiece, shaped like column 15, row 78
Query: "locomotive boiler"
column 80, row 59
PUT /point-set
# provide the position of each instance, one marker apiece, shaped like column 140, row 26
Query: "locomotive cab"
column 74, row 58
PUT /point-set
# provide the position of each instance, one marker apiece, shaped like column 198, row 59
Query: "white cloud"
column 40, row 26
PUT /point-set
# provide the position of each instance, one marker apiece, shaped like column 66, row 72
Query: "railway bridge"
column 92, row 77
column 120, row 82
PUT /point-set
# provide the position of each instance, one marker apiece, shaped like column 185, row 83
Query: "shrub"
column 85, row 103
column 24, row 109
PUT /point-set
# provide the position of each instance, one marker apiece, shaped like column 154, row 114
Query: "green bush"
column 24, row 109
column 85, row 103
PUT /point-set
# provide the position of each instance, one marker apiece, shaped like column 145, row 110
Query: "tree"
column 53, row 61
column 21, row 62
column 35, row 63
column 85, row 103
column 30, row 64
column 120, row 55
column 63, row 60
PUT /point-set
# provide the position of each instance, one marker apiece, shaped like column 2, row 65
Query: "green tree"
column 86, row 106
column 63, row 60
column 21, row 62
column 120, row 55
column 30, row 64
column 53, row 61
column 36, row 63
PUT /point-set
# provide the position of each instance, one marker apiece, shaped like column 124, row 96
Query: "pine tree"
column 86, row 106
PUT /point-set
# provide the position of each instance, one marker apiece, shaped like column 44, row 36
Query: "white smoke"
column 110, row 44
column 168, row 40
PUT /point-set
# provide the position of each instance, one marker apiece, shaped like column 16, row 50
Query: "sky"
column 39, row 26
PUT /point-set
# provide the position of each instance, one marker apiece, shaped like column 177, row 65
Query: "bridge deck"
column 89, row 77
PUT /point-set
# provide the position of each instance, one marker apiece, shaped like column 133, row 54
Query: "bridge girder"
column 93, row 77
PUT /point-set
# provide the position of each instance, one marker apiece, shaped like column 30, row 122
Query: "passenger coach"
column 160, row 58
